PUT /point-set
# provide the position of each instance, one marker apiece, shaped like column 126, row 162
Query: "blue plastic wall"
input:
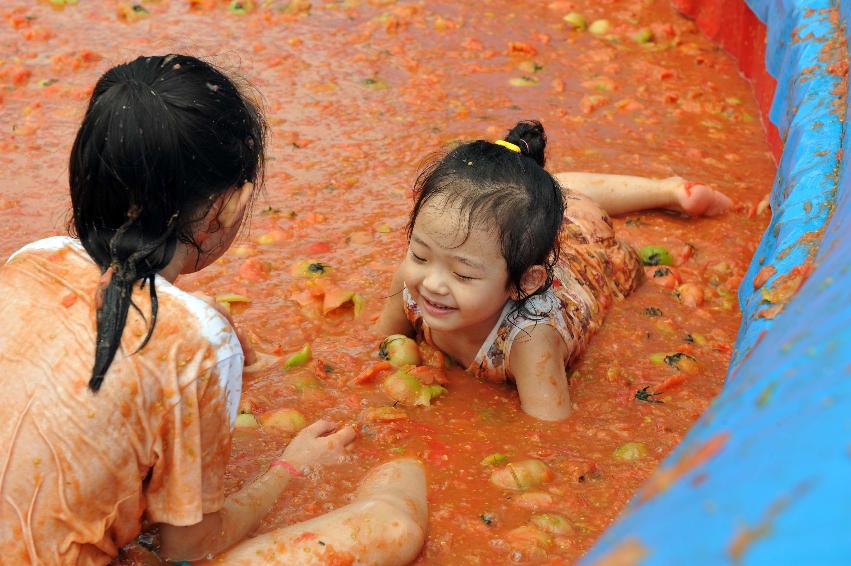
column 779, row 489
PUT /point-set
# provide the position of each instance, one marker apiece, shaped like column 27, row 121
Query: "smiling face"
column 458, row 284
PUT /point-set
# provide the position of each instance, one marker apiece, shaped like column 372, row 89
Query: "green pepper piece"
column 299, row 358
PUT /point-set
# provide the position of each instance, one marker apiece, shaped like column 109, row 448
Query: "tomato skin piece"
column 670, row 383
column 318, row 248
column 371, row 373
column 663, row 276
column 254, row 269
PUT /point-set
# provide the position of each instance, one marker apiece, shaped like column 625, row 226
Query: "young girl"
column 510, row 274
column 119, row 389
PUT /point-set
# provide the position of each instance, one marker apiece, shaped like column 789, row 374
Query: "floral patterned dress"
column 594, row 269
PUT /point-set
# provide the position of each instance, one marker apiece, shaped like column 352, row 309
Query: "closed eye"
column 417, row 258
column 465, row 278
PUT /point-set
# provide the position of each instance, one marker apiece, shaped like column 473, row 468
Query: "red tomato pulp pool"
column 357, row 94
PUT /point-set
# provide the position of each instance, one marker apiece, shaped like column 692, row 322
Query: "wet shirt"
column 594, row 269
column 79, row 471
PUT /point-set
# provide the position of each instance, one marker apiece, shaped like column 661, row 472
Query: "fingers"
column 344, row 436
column 319, row 428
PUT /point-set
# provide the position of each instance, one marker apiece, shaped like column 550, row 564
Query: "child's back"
column 74, row 461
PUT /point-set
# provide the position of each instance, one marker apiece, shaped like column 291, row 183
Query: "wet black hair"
column 161, row 138
column 496, row 186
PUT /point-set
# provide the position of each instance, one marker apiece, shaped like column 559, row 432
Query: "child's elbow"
column 191, row 542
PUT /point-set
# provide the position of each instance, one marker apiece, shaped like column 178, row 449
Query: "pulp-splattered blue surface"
column 779, row 490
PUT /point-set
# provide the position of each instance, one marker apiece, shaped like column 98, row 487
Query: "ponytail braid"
column 115, row 293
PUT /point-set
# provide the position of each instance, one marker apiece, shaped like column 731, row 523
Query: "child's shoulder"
column 71, row 270
column 553, row 313
column 47, row 246
column 536, row 308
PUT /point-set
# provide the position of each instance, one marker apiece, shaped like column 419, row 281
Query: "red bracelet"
column 292, row 470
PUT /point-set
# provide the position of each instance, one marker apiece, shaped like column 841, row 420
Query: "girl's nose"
column 435, row 283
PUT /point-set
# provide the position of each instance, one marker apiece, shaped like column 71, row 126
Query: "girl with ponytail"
column 510, row 270
column 119, row 389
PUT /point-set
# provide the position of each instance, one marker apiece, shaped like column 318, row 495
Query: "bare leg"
column 385, row 525
column 621, row 194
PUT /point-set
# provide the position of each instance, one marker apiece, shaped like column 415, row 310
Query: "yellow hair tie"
column 508, row 145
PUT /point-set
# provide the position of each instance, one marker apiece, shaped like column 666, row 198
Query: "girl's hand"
column 318, row 444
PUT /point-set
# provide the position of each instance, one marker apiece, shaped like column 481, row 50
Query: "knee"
column 399, row 523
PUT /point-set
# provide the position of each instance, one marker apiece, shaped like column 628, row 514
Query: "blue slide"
column 764, row 477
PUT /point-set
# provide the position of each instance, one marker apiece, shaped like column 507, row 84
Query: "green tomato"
column 523, row 81
column 246, row 420
column 644, row 35
column 551, row 523
column 494, row 459
column 406, row 389
column 655, row 255
column 399, row 350
column 305, row 383
column 237, row 7
column 521, row 476
column 600, row 27
column 287, row 420
column 576, row 20
column 630, row 451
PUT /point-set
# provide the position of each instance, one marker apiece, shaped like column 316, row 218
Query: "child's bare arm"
column 385, row 525
column 537, row 364
column 393, row 319
column 243, row 510
column 621, row 194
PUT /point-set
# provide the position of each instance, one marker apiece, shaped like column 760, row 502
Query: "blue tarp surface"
column 778, row 491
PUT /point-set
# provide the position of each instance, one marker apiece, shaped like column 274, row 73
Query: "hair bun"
column 529, row 136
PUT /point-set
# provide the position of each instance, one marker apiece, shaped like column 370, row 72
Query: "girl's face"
column 220, row 227
column 459, row 285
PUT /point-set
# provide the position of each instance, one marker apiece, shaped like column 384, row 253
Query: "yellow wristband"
column 508, row 145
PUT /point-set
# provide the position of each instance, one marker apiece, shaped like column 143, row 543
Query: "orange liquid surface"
column 357, row 94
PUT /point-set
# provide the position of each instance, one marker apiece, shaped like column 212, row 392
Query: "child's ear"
column 531, row 281
column 233, row 205
column 229, row 207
